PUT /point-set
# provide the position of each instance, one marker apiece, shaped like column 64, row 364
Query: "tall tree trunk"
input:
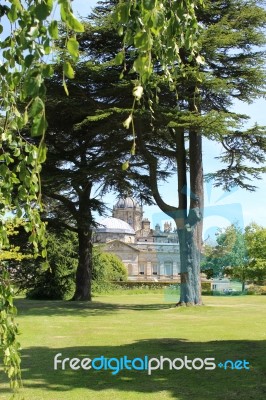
column 84, row 270
column 190, row 234
column 190, row 289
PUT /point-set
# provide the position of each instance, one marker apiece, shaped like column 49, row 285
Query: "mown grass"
column 138, row 325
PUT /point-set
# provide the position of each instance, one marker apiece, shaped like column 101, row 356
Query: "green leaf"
column 39, row 126
column 119, row 58
column 68, row 70
column 44, row 253
column 73, row 47
column 12, row 14
column 32, row 85
column 148, row 4
column 46, row 46
column 138, row 92
column 48, row 70
column 125, row 166
column 65, row 87
column 142, row 66
column 140, row 39
column 25, row 118
column 133, row 149
column 7, row 352
column 16, row 78
column 17, row 4
column 3, row 70
column 8, row 159
column 122, row 13
column 64, row 9
column 158, row 21
column 11, row 371
column 17, row 152
column 43, row 10
column 127, row 122
column 37, row 107
column 28, row 60
column 143, row 41
column 74, row 23
column 42, row 150
column 53, row 30
column 200, row 60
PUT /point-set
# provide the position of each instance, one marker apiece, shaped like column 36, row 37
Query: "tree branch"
column 67, row 203
column 152, row 162
column 57, row 223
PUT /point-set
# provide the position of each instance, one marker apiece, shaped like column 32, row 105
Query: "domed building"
column 148, row 254
column 129, row 210
column 113, row 228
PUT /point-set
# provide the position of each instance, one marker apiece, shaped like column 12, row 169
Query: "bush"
column 108, row 269
column 206, row 286
column 150, row 285
column 207, row 293
column 57, row 280
column 256, row 289
column 56, row 284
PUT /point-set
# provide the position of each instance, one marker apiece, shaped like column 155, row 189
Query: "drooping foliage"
column 13, row 251
column 27, row 36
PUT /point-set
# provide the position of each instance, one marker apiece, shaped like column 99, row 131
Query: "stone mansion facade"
column 148, row 254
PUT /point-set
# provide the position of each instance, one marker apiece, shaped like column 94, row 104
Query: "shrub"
column 150, row 285
column 107, row 270
column 56, row 280
column 256, row 289
column 206, row 286
column 53, row 284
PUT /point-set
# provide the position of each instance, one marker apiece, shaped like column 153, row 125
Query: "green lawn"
column 138, row 325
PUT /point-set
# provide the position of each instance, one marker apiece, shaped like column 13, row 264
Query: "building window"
column 168, row 268
column 155, row 269
column 141, row 269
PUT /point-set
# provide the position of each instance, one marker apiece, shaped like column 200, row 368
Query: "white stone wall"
column 142, row 260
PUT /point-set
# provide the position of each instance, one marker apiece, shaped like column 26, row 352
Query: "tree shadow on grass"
column 219, row 384
column 56, row 307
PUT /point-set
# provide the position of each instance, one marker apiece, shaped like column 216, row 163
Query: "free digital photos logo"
column 146, row 363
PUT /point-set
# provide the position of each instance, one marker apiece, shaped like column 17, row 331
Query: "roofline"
column 120, row 241
column 115, row 230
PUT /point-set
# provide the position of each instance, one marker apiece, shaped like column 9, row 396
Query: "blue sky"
column 221, row 208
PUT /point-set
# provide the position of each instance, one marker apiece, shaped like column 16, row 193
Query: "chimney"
column 146, row 225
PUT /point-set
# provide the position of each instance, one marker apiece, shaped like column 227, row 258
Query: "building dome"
column 127, row 202
column 116, row 225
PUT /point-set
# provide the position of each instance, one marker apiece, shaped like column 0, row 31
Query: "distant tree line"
column 238, row 254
